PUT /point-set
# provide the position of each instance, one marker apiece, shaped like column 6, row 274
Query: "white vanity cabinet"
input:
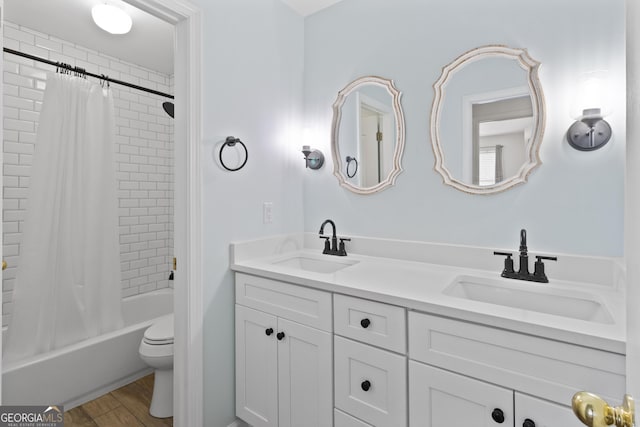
column 307, row 357
column 283, row 354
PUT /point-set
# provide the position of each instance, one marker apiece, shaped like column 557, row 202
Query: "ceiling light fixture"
column 111, row 19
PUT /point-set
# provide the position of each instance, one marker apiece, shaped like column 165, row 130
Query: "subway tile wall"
column 144, row 156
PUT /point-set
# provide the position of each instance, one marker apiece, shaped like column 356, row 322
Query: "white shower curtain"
column 67, row 284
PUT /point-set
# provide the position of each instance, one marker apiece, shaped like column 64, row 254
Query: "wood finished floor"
column 127, row 406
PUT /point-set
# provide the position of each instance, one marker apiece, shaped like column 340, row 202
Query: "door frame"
column 188, row 289
column 1, row 175
column 188, row 308
column 632, row 198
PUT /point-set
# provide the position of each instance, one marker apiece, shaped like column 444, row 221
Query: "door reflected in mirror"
column 501, row 131
column 367, row 135
column 375, row 139
column 487, row 120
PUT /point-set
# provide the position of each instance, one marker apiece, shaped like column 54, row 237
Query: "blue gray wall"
column 573, row 203
column 252, row 89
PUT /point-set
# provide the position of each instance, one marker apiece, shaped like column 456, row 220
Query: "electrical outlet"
column 267, row 212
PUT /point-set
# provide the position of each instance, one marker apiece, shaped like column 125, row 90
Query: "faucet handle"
column 538, row 272
column 342, row 251
column 508, row 263
column 327, row 245
column 502, row 253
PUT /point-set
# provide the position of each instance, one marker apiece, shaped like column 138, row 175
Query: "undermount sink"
column 530, row 296
column 316, row 265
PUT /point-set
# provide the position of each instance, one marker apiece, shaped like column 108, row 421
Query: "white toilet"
column 156, row 349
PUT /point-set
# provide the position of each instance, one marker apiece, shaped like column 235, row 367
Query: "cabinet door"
column 440, row 398
column 304, row 376
column 370, row 383
column 256, row 367
column 542, row 413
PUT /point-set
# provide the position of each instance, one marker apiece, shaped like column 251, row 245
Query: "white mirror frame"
column 335, row 130
column 537, row 100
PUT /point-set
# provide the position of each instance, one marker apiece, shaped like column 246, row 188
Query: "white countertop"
column 419, row 286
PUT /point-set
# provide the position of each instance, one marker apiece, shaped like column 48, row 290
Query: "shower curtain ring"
column 64, row 68
column 80, row 72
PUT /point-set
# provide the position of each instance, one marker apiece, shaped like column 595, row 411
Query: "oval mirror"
column 487, row 120
column 367, row 138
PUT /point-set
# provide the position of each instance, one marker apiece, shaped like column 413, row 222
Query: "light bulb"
column 111, row 19
column 592, row 97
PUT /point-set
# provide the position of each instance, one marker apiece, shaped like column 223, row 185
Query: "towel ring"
column 349, row 160
column 231, row 142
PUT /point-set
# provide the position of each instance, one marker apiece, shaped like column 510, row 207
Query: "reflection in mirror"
column 367, row 135
column 501, row 129
column 487, row 130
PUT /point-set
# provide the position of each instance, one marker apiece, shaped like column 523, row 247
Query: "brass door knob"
column 4, row 265
column 595, row 412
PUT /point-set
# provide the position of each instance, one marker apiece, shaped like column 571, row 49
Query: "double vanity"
column 417, row 334
column 386, row 333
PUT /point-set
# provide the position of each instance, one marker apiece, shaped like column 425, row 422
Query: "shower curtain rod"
column 84, row 72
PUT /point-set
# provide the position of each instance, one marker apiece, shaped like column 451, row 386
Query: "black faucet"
column 332, row 249
column 523, row 269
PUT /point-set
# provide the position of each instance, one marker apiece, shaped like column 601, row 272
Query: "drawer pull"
column 268, row 331
column 497, row 415
column 365, row 323
column 280, row 336
column 528, row 423
column 366, row 385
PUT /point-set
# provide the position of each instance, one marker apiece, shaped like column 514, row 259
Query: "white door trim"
column 1, row 162
column 632, row 199
column 188, row 290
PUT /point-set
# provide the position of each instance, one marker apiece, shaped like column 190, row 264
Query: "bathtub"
column 83, row 371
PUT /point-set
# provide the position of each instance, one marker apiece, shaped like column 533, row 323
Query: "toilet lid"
column 161, row 332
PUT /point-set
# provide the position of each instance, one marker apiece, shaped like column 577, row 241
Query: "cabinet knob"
column 280, row 336
column 365, row 323
column 497, row 415
column 366, row 385
column 268, row 331
column 528, row 423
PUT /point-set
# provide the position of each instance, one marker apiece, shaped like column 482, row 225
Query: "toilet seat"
column 161, row 332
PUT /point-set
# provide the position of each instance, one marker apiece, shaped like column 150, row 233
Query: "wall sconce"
column 590, row 131
column 314, row 159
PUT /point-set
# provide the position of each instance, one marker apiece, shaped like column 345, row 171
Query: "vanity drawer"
column 370, row 383
column 375, row 323
column 534, row 365
column 303, row 305
column 343, row 420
